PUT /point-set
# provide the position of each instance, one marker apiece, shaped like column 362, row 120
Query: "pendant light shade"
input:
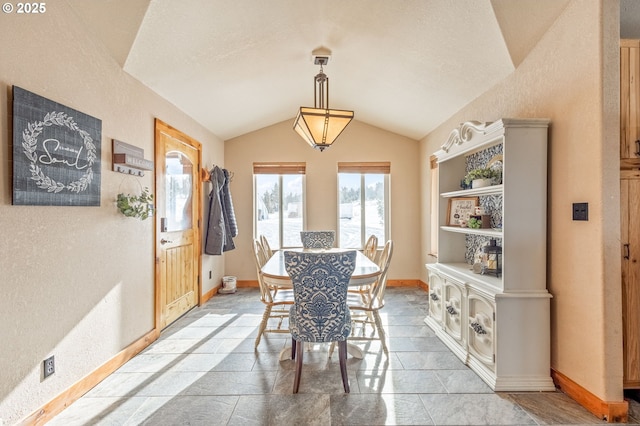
column 321, row 126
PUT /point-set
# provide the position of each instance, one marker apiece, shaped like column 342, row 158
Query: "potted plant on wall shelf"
column 138, row 206
column 478, row 178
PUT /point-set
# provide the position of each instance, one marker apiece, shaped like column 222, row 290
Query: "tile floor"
column 204, row 371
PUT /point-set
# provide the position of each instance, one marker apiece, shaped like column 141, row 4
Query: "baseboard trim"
column 208, row 295
column 611, row 411
column 390, row 283
column 403, row 283
column 84, row 385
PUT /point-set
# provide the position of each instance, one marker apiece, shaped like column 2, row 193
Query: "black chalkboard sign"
column 56, row 153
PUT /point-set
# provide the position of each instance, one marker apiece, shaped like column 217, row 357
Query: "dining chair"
column 320, row 312
column 365, row 307
column 261, row 257
column 277, row 301
column 266, row 247
column 317, row 239
column 370, row 250
column 371, row 247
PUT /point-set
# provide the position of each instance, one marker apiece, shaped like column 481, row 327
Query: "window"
column 433, row 242
column 363, row 197
column 278, row 212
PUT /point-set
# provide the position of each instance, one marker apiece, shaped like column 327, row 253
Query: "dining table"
column 275, row 275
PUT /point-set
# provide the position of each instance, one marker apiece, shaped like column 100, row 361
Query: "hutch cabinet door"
column 630, row 236
column 629, row 99
column 454, row 310
column 481, row 322
column 435, row 297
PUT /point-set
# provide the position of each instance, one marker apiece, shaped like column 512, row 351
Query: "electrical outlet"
column 49, row 366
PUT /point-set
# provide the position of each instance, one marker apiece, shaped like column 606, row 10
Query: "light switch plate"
column 580, row 211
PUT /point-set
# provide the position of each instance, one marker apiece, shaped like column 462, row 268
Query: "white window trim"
column 365, row 168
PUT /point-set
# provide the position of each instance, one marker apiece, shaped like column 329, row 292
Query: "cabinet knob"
column 477, row 328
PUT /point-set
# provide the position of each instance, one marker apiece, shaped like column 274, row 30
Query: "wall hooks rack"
column 129, row 159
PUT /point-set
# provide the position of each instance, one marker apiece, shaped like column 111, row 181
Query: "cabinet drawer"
column 481, row 323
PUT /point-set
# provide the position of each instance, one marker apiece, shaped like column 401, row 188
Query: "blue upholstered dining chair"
column 319, row 312
column 317, row 239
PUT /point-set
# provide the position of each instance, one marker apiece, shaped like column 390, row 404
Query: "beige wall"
column 359, row 142
column 77, row 282
column 571, row 77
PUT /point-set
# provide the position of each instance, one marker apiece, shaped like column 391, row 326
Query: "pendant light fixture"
column 320, row 126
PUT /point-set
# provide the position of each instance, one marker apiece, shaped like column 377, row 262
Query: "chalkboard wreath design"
column 30, row 142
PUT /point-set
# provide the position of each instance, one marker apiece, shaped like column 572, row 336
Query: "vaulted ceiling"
column 237, row 66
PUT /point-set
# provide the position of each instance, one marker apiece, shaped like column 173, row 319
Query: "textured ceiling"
column 237, row 66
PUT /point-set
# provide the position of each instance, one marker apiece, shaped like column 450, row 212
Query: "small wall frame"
column 460, row 209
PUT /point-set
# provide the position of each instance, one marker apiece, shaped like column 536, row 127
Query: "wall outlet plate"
column 580, row 211
column 48, row 366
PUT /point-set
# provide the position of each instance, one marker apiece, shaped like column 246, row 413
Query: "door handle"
column 163, row 241
column 626, row 251
column 638, row 148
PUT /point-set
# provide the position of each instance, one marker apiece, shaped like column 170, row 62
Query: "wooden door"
column 630, row 99
column 178, row 194
column 630, row 236
column 630, row 208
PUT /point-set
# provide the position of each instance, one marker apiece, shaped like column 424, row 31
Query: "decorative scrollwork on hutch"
column 463, row 134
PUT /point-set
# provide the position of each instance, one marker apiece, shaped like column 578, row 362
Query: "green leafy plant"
column 474, row 223
column 482, row 173
column 138, row 206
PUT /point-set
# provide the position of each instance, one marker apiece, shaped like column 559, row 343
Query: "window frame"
column 435, row 205
column 364, row 168
column 280, row 169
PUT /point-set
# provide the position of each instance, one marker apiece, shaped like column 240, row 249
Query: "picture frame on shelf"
column 460, row 209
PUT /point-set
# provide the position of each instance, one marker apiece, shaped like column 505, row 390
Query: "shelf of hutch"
column 487, row 190
column 489, row 232
column 498, row 325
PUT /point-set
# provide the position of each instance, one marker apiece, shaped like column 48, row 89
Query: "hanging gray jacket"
column 229, row 213
column 219, row 234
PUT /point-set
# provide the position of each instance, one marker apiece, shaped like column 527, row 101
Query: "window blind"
column 280, row 168
column 383, row 167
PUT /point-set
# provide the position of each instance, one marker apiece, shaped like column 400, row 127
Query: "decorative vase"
column 480, row 183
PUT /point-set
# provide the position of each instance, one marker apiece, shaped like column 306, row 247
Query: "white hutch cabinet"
column 498, row 325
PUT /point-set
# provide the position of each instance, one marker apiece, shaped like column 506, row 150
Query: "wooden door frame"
column 159, row 127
